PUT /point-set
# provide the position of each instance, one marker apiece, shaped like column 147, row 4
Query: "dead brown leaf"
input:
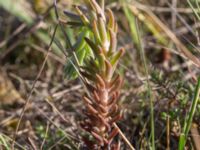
column 8, row 94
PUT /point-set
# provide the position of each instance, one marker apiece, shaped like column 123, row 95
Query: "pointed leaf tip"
column 117, row 55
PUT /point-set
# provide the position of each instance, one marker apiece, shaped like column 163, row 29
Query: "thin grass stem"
column 189, row 118
column 148, row 86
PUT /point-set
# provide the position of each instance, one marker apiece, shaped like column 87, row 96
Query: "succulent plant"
column 98, row 72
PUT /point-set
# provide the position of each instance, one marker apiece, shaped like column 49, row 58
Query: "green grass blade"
column 18, row 8
column 194, row 10
column 189, row 118
column 3, row 142
column 131, row 19
column 148, row 86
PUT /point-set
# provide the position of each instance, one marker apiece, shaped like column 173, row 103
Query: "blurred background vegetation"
column 168, row 36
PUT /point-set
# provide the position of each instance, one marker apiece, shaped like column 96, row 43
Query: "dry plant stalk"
column 99, row 75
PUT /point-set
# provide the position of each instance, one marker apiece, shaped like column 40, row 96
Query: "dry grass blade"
column 32, row 89
column 24, row 33
column 69, row 140
column 166, row 30
column 124, row 137
column 32, row 144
